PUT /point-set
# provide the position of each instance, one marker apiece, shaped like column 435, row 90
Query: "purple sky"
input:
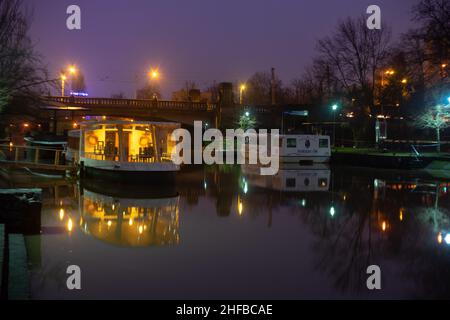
column 198, row 40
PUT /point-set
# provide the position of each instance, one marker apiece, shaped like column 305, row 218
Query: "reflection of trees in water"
column 352, row 240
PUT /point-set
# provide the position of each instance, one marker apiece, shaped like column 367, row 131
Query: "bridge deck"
column 167, row 105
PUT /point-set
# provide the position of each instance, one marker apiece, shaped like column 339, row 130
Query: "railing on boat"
column 33, row 157
column 164, row 157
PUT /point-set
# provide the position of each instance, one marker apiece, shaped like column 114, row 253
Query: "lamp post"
column 241, row 92
column 71, row 70
column 334, row 107
column 63, row 81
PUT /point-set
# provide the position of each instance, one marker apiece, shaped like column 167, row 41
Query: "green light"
column 332, row 211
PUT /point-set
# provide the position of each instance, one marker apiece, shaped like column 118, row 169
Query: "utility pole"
column 273, row 87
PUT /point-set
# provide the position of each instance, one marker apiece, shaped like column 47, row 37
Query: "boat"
column 299, row 149
column 127, row 150
column 291, row 178
column 137, row 219
column 304, row 149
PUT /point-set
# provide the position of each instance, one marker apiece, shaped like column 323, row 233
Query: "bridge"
column 65, row 111
column 179, row 111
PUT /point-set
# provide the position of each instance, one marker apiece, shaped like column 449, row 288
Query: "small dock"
column 34, row 158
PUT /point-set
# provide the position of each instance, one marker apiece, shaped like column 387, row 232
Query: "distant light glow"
column 383, row 226
column 61, row 214
column 303, row 202
column 334, row 107
column 78, row 94
column 141, row 229
column 439, row 238
column 447, row 238
column 247, row 114
column 240, row 207
column 109, row 223
column 69, row 225
column 245, row 187
column 332, row 211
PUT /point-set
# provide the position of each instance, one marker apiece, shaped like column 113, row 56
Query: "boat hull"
column 150, row 177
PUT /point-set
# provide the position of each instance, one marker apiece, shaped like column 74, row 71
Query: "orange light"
column 63, row 77
column 405, row 81
column 439, row 238
column 383, row 226
column 72, row 69
column 444, row 65
column 69, row 225
column 26, row 125
column 154, row 73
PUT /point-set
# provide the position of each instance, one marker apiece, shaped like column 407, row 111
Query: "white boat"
column 291, row 178
column 128, row 150
column 304, row 149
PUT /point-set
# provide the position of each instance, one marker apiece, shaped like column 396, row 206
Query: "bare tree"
column 21, row 71
column 354, row 54
column 436, row 118
column 259, row 88
column 149, row 91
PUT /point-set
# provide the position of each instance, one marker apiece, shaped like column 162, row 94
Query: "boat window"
column 290, row 183
column 291, row 143
column 323, row 143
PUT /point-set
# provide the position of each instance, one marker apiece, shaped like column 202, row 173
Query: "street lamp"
column 71, row 70
column 63, row 81
column 334, row 107
column 154, row 74
column 241, row 91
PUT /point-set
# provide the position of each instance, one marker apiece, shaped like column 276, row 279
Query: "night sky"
column 198, row 40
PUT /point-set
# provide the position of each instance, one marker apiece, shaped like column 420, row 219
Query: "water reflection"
column 130, row 222
column 329, row 223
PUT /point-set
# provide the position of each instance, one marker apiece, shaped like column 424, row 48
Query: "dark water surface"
column 227, row 232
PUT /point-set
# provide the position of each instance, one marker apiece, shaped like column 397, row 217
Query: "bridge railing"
column 136, row 103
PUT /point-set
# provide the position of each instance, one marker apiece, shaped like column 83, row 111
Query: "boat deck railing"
column 143, row 158
column 33, row 157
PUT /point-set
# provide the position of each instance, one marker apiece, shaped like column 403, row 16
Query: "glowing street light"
column 72, row 69
column 154, row 74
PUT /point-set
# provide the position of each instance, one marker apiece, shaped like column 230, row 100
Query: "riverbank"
column 374, row 158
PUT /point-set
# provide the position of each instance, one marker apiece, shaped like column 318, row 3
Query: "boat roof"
column 125, row 122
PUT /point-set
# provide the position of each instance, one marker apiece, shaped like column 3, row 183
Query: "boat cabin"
column 127, row 141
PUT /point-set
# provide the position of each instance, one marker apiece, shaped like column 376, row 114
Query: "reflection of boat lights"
column 141, row 229
column 303, row 202
column 447, row 238
column 205, row 185
column 69, row 225
column 130, row 221
column 401, row 214
column 383, row 226
column 113, row 206
column 61, row 214
column 439, row 238
column 240, row 207
column 245, row 187
column 332, row 211
column 109, row 223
